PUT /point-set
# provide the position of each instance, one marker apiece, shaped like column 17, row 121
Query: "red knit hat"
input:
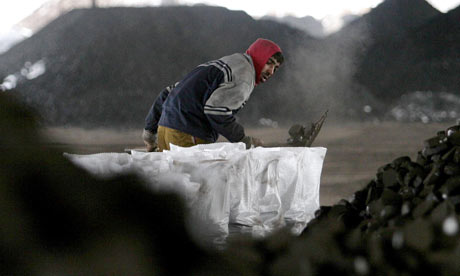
column 261, row 51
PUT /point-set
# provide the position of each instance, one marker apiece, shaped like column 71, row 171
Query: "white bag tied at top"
column 253, row 191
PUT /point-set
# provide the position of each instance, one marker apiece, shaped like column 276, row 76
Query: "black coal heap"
column 404, row 221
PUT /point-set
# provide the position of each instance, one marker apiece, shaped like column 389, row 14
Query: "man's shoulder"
column 238, row 59
column 241, row 66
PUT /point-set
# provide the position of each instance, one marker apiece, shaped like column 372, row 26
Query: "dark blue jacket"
column 204, row 102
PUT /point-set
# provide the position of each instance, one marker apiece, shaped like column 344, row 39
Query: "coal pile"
column 105, row 66
column 405, row 221
column 426, row 58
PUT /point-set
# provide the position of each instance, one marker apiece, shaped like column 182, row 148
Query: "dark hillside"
column 106, row 66
column 394, row 18
column 390, row 19
column 341, row 54
column 426, row 59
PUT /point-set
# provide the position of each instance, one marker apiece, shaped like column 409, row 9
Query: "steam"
column 324, row 70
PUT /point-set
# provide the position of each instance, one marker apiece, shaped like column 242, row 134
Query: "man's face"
column 269, row 69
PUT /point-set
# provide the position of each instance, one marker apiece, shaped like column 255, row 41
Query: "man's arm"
column 230, row 129
column 226, row 125
column 153, row 117
column 220, row 108
column 149, row 135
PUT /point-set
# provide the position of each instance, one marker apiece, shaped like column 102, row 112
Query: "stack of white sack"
column 226, row 186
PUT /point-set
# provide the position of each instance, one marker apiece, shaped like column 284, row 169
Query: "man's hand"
column 257, row 142
column 252, row 142
column 150, row 140
column 149, row 147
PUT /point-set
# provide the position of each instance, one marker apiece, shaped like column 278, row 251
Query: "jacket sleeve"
column 153, row 117
column 220, row 108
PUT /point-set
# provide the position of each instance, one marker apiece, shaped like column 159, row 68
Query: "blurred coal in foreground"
column 404, row 221
column 57, row 219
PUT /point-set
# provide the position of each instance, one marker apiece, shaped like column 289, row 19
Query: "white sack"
column 256, row 191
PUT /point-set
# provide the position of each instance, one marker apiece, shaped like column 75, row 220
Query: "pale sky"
column 12, row 11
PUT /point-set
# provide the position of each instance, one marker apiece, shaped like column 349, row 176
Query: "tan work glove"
column 150, row 140
column 252, row 142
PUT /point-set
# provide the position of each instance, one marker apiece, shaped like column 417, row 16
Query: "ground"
column 354, row 150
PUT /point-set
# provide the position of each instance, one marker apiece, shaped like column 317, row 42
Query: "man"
column 203, row 104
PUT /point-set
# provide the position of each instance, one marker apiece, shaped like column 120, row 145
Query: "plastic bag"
column 253, row 191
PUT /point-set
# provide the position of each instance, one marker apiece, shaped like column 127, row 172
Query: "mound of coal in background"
column 400, row 47
column 422, row 57
column 105, row 66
